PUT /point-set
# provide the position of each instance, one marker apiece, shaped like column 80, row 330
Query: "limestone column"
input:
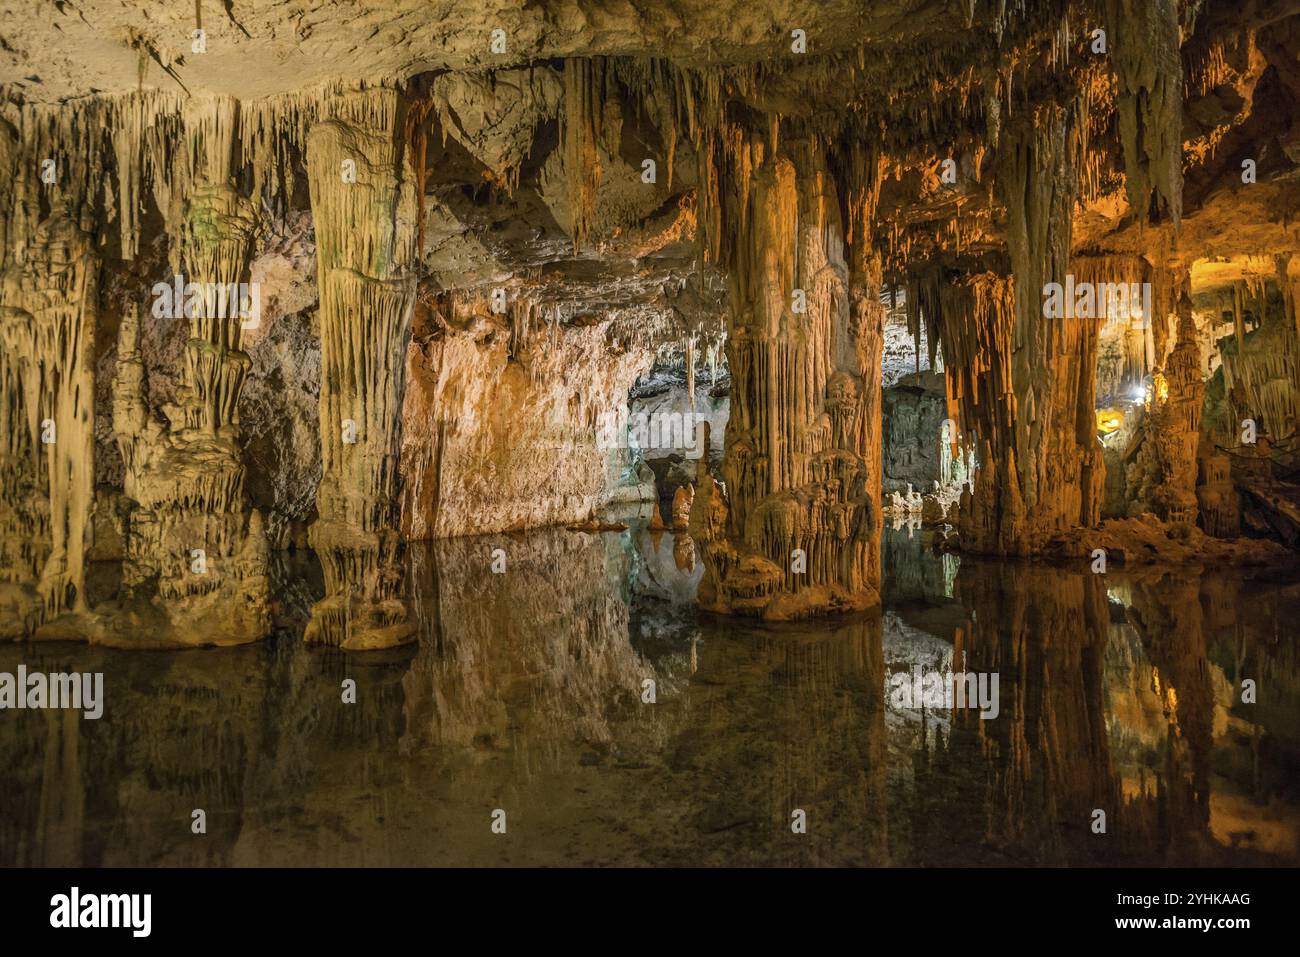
column 47, row 323
column 1041, row 468
column 365, row 217
column 193, row 548
column 796, row 531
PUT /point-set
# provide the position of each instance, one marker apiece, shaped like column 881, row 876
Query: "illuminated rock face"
column 502, row 434
column 508, row 235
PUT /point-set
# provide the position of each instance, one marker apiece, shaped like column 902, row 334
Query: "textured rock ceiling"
column 906, row 76
column 69, row 48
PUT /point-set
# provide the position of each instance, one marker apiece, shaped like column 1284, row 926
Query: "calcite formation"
column 191, row 544
column 47, row 328
column 365, row 241
column 470, row 246
column 803, row 501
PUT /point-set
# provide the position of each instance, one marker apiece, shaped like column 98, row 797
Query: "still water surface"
column 1119, row 693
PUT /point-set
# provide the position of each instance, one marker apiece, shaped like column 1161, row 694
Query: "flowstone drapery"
column 365, row 241
column 47, row 323
column 194, row 552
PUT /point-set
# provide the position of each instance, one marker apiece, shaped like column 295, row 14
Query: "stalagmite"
column 1176, row 422
column 800, row 525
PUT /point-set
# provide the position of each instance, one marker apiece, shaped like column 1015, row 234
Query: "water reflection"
column 530, row 690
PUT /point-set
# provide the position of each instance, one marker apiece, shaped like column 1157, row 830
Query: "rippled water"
column 1119, row 693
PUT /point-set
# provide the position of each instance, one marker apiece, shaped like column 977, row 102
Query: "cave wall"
column 914, row 412
column 504, row 433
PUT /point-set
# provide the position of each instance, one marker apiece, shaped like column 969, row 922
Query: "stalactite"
column 365, row 242
column 48, row 325
column 1145, row 40
column 1261, row 365
column 584, row 85
column 977, row 324
column 690, row 371
column 1119, row 282
column 113, row 154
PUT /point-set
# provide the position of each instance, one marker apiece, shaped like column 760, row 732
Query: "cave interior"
column 1019, row 274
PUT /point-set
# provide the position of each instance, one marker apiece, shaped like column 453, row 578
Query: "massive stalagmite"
column 798, row 529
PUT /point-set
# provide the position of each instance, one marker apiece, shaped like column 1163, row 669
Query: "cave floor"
column 528, row 693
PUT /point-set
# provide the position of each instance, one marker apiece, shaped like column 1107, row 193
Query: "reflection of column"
column 1044, row 632
column 797, row 475
column 807, row 712
column 1169, row 618
column 61, row 821
column 47, row 327
column 365, row 216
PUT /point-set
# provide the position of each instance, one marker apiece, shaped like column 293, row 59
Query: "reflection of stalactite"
column 1044, row 633
column 365, row 240
column 61, row 824
column 841, row 776
column 1169, row 617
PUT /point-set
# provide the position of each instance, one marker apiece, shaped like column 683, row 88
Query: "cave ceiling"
column 917, row 81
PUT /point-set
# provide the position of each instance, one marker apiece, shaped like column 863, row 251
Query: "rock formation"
column 479, row 249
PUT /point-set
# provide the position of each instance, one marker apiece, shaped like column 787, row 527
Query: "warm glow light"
column 1109, row 420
